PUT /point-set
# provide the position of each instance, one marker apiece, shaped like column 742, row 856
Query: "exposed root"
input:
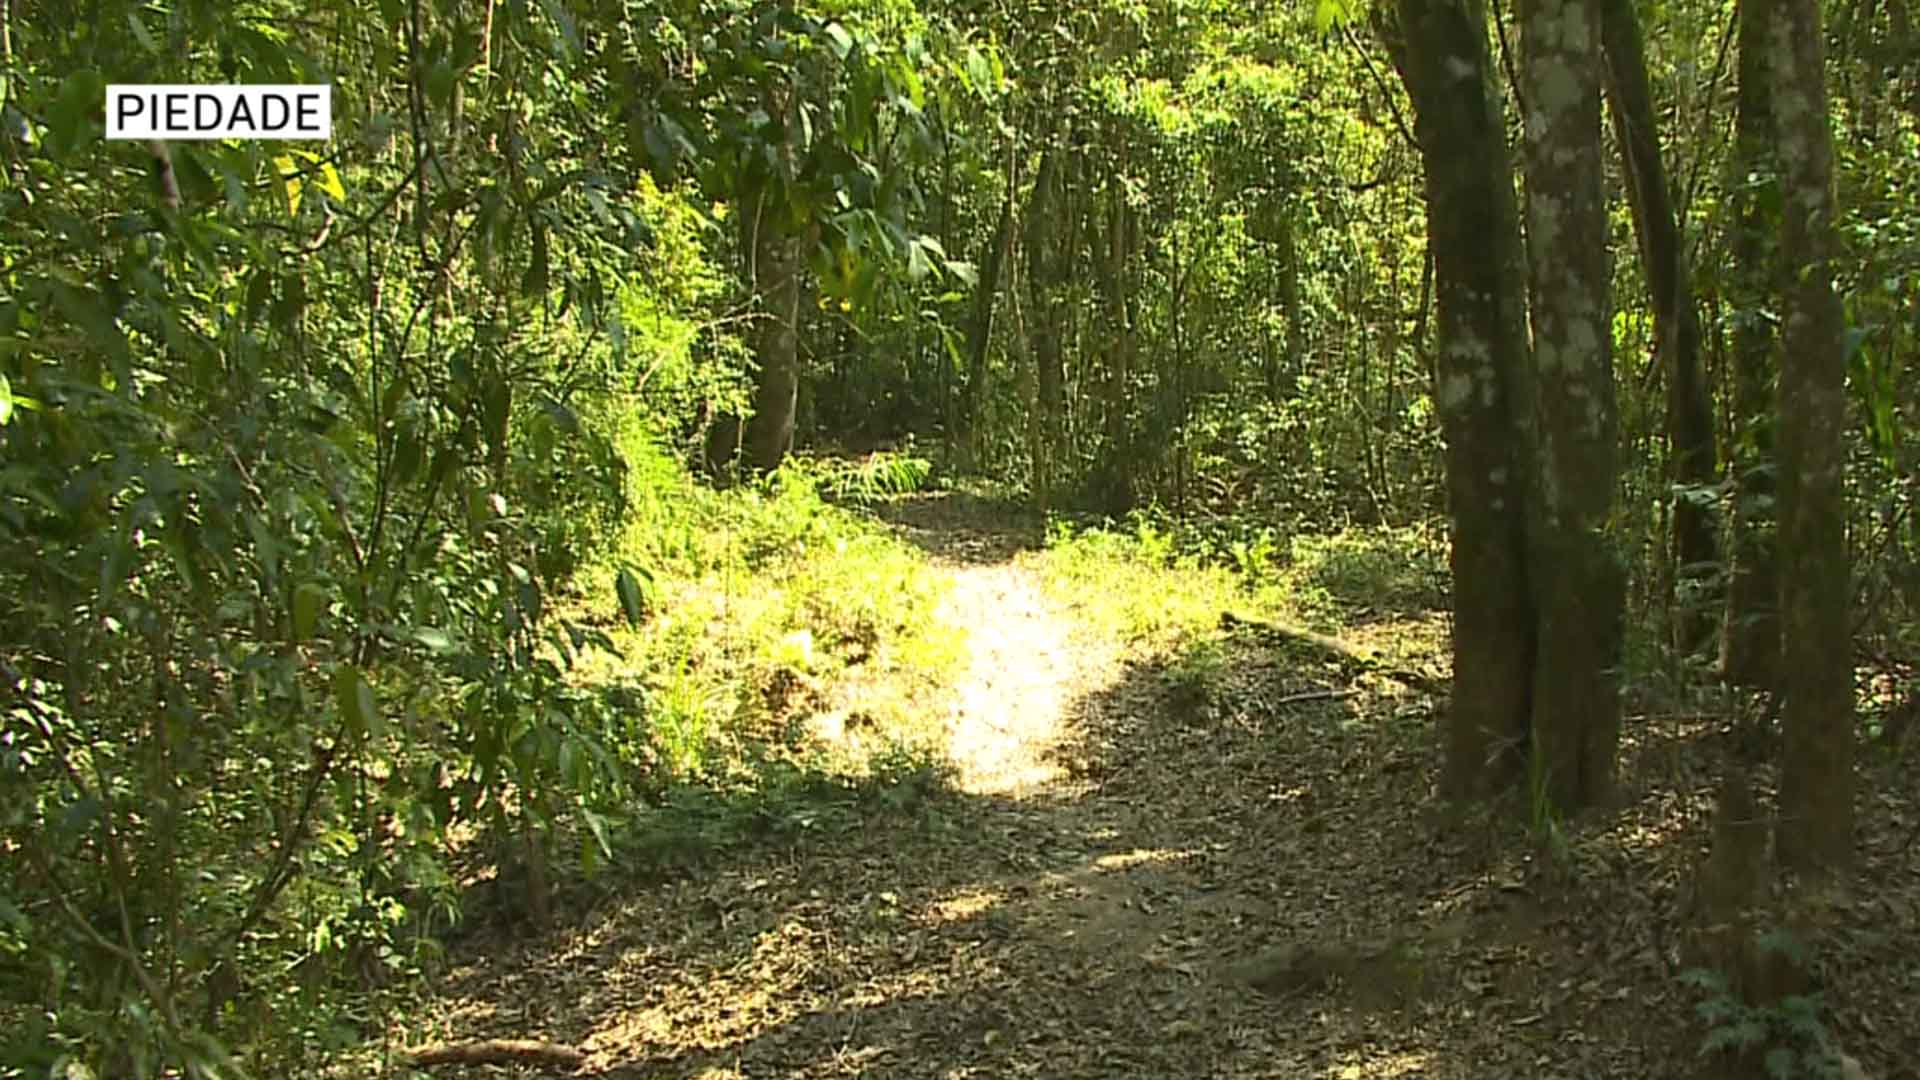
column 499, row 1052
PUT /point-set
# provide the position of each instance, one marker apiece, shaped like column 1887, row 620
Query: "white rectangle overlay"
column 187, row 111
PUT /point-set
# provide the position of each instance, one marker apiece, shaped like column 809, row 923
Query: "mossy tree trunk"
column 1483, row 377
column 774, row 247
column 1816, row 780
column 1578, row 583
column 1537, row 591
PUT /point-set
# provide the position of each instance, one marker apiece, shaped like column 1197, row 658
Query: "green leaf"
column 309, row 600
column 535, row 282
column 330, row 182
column 70, row 120
column 597, row 825
column 291, row 180
column 9, row 401
column 434, row 638
column 355, row 700
column 140, row 33
column 840, row 40
column 1329, row 13
column 632, row 599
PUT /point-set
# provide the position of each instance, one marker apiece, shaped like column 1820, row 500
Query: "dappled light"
column 633, row 540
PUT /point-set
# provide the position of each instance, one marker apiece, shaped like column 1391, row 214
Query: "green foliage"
column 1397, row 570
column 784, row 798
column 295, row 478
column 875, row 477
column 1146, row 593
column 1195, row 671
column 764, row 599
column 1788, row 1036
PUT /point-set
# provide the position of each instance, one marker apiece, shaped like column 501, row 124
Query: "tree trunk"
column 1043, row 273
column 776, row 278
column 1111, row 253
column 980, row 328
column 1579, row 586
column 1750, row 634
column 1690, row 451
column 1483, row 369
column 1284, row 384
column 1816, row 780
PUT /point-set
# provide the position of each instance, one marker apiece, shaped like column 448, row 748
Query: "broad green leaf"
column 330, row 182
column 597, row 825
column 140, row 33
column 841, row 41
column 9, row 401
column 632, row 599
column 309, row 600
column 291, row 181
column 355, row 700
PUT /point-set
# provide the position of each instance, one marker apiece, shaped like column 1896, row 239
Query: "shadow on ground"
column 1221, row 884
column 965, row 528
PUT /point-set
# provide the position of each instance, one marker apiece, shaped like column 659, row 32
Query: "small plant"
column 1543, row 818
column 1788, row 1036
column 884, row 474
column 1195, row 672
column 1396, row 569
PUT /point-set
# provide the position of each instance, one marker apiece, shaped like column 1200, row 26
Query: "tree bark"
column 776, row 395
column 1043, row 274
column 1578, row 584
column 1663, row 261
column 980, row 327
column 1816, row 781
column 1112, row 250
column 1483, row 373
column 1750, row 633
column 772, row 242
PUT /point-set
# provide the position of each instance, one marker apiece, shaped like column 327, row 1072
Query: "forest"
column 963, row 538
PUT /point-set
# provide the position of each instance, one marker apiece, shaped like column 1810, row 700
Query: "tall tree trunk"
column 776, row 278
column 772, row 241
column 1043, row 273
column 1663, row 262
column 980, row 327
column 1483, row 369
column 1285, row 385
column 1110, row 250
column 1579, row 586
column 1750, row 634
column 1816, row 780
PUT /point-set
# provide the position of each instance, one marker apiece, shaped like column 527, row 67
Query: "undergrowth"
column 784, row 670
column 1156, row 585
column 1164, row 590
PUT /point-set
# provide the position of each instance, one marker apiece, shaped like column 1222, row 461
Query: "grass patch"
column 1163, row 592
column 1397, row 570
column 1134, row 584
column 788, row 670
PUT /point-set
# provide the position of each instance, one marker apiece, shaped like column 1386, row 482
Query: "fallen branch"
column 498, row 1052
column 1426, row 684
column 1313, row 695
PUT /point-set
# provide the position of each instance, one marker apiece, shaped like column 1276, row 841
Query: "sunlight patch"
column 962, row 906
column 1412, row 1063
column 1140, row 856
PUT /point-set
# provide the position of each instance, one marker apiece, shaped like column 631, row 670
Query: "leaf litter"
column 1126, row 881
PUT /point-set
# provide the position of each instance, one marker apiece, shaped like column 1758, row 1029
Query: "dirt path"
column 1132, row 883
column 1010, row 714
